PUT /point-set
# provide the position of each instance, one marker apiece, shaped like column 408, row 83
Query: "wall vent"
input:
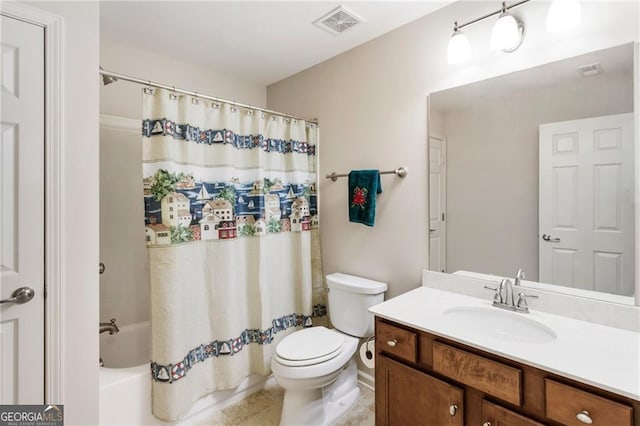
column 338, row 20
column 590, row 70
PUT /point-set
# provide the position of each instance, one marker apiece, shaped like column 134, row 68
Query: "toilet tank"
column 350, row 298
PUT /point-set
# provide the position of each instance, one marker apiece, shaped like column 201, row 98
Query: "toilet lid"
column 310, row 346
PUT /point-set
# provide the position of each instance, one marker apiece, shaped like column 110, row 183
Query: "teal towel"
column 364, row 185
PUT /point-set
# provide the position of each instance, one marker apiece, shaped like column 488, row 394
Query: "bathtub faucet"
column 111, row 327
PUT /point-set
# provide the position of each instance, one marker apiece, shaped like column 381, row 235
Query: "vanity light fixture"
column 459, row 49
column 508, row 32
column 563, row 15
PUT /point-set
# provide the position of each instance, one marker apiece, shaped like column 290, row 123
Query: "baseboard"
column 221, row 399
column 218, row 400
column 366, row 380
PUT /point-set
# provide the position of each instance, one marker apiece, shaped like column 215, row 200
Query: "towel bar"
column 400, row 171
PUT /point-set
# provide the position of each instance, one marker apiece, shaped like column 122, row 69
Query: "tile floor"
column 263, row 409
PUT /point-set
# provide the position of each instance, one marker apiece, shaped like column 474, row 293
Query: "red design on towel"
column 359, row 197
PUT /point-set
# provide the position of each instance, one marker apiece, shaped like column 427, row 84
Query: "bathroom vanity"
column 450, row 359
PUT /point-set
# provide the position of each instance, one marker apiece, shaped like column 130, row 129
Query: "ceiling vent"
column 338, row 20
column 590, row 70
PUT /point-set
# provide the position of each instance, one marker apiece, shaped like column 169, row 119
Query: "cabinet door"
column 405, row 396
column 495, row 415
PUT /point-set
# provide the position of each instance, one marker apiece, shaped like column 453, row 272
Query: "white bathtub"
column 125, row 382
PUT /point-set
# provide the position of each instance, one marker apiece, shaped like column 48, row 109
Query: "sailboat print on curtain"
column 203, row 194
column 231, row 223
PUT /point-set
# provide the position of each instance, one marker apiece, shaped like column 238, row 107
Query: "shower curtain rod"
column 112, row 77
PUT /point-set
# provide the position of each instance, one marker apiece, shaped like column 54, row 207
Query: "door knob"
column 20, row 296
column 453, row 409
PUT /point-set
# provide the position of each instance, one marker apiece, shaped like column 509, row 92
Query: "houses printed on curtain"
column 181, row 209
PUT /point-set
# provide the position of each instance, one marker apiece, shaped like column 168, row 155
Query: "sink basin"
column 500, row 324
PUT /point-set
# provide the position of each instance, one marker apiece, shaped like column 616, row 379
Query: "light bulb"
column 563, row 15
column 506, row 34
column 459, row 49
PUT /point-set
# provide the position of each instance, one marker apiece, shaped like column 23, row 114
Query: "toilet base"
column 322, row 406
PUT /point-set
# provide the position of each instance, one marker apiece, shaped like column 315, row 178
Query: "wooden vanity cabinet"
column 422, row 379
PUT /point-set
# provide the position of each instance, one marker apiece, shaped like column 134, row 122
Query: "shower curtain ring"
column 148, row 90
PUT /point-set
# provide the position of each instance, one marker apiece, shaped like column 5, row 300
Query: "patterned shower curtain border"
column 173, row 372
column 187, row 132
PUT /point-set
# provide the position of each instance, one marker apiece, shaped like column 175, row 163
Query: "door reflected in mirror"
column 535, row 170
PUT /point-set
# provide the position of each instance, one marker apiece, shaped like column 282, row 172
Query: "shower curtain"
column 231, row 222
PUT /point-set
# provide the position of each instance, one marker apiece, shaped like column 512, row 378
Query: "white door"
column 22, row 212
column 586, row 221
column 437, row 205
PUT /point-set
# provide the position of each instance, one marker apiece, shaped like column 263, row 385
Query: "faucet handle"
column 522, row 300
column 497, row 297
column 519, row 276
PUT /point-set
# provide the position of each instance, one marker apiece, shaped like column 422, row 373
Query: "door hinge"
column 443, row 217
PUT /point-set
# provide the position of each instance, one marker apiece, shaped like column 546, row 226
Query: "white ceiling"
column 257, row 41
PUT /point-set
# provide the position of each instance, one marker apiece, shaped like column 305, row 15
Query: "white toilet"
column 317, row 366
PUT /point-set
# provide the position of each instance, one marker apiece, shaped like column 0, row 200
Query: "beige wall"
column 124, row 99
column 124, row 287
column 436, row 122
column 372, row 106
column 492, row 168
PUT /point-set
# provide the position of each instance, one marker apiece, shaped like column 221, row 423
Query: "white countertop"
column 594, row 354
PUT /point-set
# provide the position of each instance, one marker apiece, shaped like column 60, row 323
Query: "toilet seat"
column 309, row 346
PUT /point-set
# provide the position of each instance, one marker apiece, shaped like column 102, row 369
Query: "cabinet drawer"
column 566, row 404
column 490, row 377
column 496, row 415
column 396, row 341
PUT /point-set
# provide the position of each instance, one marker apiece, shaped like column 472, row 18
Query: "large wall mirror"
column 535, row 170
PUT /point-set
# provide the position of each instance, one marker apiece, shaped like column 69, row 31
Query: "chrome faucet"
column 506, row 287
column 110, row 327
column 504, row 297
column 519, row 277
